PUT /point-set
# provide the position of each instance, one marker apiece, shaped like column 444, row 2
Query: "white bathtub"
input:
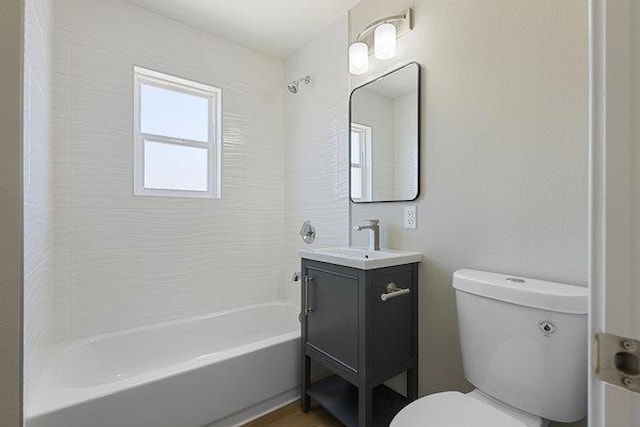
column 215, row 370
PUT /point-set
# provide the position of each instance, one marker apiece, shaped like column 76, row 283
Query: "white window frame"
column 365, row 159
column 213, row 145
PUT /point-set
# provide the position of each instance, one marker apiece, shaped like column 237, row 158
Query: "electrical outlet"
column 410, row 216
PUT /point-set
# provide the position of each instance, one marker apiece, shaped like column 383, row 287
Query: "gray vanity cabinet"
column 362, row 326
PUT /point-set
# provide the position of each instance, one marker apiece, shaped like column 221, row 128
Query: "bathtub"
column 216, row 370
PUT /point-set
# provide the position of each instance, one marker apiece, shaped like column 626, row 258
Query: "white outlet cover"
column 410, row 219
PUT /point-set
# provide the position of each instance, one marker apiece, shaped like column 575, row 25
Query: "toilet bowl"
column 524, row 346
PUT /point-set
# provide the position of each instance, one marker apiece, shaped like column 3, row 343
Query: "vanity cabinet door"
column 332, row 318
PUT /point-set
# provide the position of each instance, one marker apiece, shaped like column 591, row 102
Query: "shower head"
column 293, row 86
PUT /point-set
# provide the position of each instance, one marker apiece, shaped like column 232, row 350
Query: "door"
column 332, row 313
column 615, row 201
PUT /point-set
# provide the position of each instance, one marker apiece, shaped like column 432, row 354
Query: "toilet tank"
column 524, row 342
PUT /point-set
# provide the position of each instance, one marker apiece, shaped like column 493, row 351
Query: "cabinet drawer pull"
column 394, row 291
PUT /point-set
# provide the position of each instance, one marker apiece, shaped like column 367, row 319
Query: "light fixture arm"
column 395, row 18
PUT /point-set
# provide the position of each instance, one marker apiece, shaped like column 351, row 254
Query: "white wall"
column 504, row 152
column 317, row 145
column 38, row 198
column 11, row 256
column 125, row 261
column 405, row 141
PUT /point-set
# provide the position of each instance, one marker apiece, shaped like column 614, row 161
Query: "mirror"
column 385, row 137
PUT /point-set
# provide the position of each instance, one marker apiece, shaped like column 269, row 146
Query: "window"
column 360, row 161
column 177, row 136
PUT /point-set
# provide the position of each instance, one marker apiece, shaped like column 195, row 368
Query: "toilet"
column 524, row 348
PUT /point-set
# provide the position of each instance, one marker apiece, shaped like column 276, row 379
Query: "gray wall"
column 504, row 152
column 10, row 213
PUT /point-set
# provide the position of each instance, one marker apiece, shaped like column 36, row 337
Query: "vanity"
column 360, row 306
column 359, row 320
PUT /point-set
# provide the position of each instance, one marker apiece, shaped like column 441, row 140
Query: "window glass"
column 173, row 113
column 175, row 166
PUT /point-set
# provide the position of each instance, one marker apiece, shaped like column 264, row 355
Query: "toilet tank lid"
column 534, row 293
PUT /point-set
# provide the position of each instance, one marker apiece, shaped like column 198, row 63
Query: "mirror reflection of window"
column 360, row 161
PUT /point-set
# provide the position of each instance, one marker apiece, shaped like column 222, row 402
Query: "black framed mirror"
column 384, row 138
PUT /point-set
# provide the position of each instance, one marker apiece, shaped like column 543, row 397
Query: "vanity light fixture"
column 385, row 32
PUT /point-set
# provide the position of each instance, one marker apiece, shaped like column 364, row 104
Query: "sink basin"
column 362, row 258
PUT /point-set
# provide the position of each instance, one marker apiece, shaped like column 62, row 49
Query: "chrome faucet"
column 374, row 235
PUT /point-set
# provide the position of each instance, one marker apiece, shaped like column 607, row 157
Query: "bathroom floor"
column 292, row 415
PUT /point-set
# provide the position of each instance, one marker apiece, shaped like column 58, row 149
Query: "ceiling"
column 275, row 27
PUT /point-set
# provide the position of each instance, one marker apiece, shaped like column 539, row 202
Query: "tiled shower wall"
column 38, row 199
column 123, row 261
column 317, row 145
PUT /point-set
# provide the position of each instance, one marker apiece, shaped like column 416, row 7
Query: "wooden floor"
column 292, row 416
